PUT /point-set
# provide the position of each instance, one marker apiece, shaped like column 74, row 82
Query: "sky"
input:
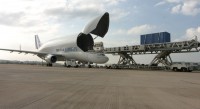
column 20, row 20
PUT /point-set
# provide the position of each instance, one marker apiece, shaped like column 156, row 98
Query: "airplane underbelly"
column 86, row 57
column 81, row 56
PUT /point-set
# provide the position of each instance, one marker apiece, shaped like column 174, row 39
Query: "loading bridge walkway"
column 163, row 51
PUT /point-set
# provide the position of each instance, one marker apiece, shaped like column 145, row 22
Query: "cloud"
column 192, row 32
column 191, row 7
column 138, row 30
column 173, row 1
column 160, row 3
column 45, row 17
column 30, row 12
column 176, row 9
column 114, row 2
column 87, row 9
column 185, row 7
column 65, row 13
column 24, row 13
column 166, row 1
column 130, row 36
column 48, row 18
column 118, row 14
column 135, row 31
column 11, row 18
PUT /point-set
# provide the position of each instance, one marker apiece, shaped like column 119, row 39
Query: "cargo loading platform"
column 163, row 51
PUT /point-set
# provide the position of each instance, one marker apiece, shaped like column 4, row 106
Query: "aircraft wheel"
column 49, row 65
column 184, row 70
column 89, row 66
column 65, row 64
column 175, row 69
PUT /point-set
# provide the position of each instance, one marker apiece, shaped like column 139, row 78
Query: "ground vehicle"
column 115, row 66
column 76, row 64
column 72, row 63
column 181, row 66
column 98, row 46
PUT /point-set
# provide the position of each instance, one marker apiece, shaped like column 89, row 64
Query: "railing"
column 174, row 47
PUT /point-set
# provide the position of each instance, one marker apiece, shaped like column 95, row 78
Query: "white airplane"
column 77, row 48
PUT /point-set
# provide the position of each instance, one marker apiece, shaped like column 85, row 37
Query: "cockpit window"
column 101, row 54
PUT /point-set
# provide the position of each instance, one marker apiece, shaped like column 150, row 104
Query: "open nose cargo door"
column 98, row 26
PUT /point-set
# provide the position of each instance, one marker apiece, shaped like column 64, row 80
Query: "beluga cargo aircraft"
column 76, row 48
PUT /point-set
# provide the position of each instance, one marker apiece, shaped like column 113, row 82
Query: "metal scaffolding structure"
column 126, row 59
column 163, row 51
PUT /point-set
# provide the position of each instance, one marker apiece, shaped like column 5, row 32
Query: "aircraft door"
column 98, row 26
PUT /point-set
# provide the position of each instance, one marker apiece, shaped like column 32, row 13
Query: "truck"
column 98, row 47
column 72, row 63
column 120, row 66
column 114, row 66
column 182, row 66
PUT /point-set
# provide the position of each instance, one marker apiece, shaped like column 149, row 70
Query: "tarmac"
column 39, row 87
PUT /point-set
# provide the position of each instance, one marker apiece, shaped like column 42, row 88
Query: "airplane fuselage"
column 67, row 47
column 76, row 47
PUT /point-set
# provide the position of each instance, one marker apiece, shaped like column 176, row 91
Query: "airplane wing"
column 40, row 54
column 23, row 51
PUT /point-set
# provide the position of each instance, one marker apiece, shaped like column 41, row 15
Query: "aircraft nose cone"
column 99, row 58
column 106, row 59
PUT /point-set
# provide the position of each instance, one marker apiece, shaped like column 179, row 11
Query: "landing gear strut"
column 49, row 64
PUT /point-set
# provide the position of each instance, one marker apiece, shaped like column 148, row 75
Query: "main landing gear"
column 49, row 64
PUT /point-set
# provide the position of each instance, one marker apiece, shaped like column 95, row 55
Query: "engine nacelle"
column 50, row 59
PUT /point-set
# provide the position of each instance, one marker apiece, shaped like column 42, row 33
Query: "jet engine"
column 50, row 59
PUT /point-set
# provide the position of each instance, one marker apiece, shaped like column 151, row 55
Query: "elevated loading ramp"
column 163, row 51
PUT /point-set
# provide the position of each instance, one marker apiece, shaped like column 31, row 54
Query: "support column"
column 126, row 59
column 163, row 57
